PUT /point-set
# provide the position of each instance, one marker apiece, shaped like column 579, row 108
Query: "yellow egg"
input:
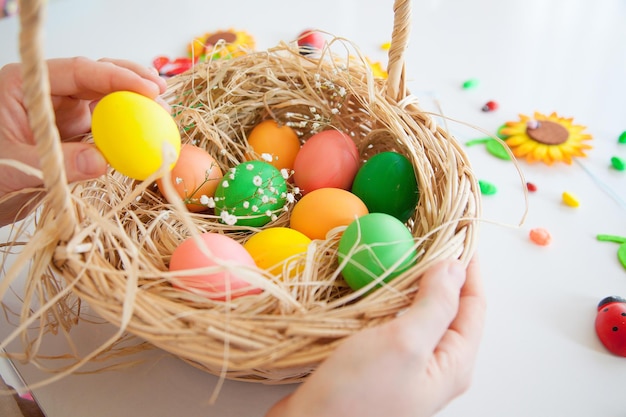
column 323, row 209
column 132, row 132
column 271, row 247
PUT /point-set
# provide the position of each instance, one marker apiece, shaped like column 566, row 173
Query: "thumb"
column 436, row 303
column 83, row 161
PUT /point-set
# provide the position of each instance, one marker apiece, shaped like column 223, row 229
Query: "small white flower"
column 255, row 208
column 290, row 198
column 249, row 167
column 178, row 180
column 260, row 191
column 274, row 217
column 225, row 184
column 318, row 117
column 284, row 173
column 296, row 190
column 265, row 199
column 313, row 109
column 204, row 200
column 257, row 180
column 268, row 213
column 342, row 91
column 246, row 204
column 334, row 111
column 228, row 218
column 266, row 157
column 316, row 126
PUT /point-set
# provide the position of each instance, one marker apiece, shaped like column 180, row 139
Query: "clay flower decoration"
column 544, row 138
column 234, row 43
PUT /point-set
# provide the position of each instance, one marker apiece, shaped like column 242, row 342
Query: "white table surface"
column 540, row 355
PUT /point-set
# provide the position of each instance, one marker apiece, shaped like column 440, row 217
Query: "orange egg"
column 322, row 210
column 196, row 174
column 275, row 144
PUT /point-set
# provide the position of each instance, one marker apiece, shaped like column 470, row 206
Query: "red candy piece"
column 611, row 324
column 490, row 106
column 531, row 187
column 168, row 68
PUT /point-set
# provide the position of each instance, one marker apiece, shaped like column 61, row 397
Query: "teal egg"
column 251, row 194
column 386, row 183
column 375, row 243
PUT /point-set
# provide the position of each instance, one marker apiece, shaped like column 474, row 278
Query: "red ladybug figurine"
column 611, row 324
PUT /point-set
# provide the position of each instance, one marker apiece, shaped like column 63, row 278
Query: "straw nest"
column 114, row 255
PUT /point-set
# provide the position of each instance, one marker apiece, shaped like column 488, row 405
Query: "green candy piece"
column 471, row 83
column 622, row 137
column 618, row 163
column 487, row 188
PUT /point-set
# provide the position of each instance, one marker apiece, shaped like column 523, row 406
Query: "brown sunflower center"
column 548, row 133
column 228, row 37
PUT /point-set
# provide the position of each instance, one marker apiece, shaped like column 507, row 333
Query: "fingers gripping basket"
column 108, row 242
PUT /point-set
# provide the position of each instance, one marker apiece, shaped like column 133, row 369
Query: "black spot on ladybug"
column 615, row 328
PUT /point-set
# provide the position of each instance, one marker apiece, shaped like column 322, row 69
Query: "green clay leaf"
column 611, row 238
column 477, row 141
column 497, row 149
column 621, row 254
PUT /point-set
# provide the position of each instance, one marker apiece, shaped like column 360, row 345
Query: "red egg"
column 329, row 159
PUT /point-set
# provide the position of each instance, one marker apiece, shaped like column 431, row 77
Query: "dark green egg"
column 386, row 183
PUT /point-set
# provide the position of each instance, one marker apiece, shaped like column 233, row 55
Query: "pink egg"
column 220, row 284
column 328, row 159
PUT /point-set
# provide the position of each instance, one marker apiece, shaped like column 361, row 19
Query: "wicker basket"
column 108, row 242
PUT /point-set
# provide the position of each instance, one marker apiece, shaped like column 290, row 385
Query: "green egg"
column 375, row 243
column 251, row 194
column 386, row 183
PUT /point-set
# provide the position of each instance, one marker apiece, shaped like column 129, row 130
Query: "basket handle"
column 36, row 86
column 396, row 88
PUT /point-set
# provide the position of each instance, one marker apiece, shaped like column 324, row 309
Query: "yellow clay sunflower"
column 221, row 44
column 544, row 138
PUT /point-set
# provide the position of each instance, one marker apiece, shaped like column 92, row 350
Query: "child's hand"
column 75, row 85
column 409, row 367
